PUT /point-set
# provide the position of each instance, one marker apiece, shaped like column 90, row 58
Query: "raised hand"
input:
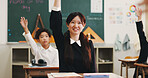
column 139, row 13
column 57, row 3
column 24, row 23
column 144, row 2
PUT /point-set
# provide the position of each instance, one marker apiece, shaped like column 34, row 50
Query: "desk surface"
column 39, row 70
column 128, row 60
column 111, row 75
column 39, row 67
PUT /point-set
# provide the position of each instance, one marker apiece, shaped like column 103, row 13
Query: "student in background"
column 76, row 52
column 44, row 51
column 143, row 42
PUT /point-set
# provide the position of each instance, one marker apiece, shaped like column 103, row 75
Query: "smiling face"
column 75, row 23
column 44, row 39
column 75, row 26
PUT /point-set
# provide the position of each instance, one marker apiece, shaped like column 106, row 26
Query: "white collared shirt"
column 73, row 41
column 50, row 55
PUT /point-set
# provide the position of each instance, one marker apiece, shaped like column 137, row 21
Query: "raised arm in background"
column 24, row 23
column 27, row 35
column 139, row 25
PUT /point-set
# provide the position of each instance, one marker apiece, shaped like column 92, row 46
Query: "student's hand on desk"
column 24, row 22
column 139, row 13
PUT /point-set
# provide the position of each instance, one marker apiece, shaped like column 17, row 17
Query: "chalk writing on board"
column 26, row 8
column 25, row 3
column 94, row 18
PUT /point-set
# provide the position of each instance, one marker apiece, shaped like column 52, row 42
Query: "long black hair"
column 85, row 47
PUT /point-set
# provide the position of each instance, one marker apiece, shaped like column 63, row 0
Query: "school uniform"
column 50, row 55
column 143, row 44
column 78, row 64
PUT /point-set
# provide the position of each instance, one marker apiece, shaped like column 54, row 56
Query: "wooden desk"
column 39, row 71
column 142, row 67
column 128, row 63
column 111, row 75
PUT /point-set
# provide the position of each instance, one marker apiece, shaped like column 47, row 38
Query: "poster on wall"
column 96, row 6
column 120, row 18
column 122, row 12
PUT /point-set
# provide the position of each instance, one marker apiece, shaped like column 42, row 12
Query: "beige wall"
column 3, row 21
column 146, row 23
column 5, row 62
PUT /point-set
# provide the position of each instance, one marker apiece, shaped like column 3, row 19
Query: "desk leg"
column 126, row 70
column 121, row 69
column 137, row 72
column 26, row 74
column 143, row 73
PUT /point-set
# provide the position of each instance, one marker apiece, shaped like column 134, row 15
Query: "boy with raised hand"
column 44, row 51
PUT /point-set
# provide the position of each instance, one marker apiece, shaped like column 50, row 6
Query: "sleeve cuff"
column 26, row 34
column 138, row 20
column 56, row 8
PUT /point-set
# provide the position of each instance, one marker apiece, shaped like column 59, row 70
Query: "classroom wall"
column 115, row 10
column 3, row 21
column 5, row 62
column 146, row 26
column 110, row 36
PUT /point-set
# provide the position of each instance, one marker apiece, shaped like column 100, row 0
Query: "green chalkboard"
column 31, row 8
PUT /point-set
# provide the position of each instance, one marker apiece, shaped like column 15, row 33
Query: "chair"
column 130, row 57
column 128, row 62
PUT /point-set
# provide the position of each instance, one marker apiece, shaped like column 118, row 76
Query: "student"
column 143, row 42
column 45, row 51
column 76, row 52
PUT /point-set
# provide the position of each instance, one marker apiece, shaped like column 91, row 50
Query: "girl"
column 76, row 52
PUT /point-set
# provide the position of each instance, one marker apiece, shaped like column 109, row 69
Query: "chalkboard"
column 31, row 8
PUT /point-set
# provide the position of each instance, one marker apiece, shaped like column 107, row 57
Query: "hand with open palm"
column 24, row 23
column 139, row 13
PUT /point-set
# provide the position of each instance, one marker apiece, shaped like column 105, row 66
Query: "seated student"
column 76, row 52
column 45, row 51
column 143, row 42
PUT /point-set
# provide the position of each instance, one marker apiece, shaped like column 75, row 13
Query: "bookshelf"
column 20, row 55
column 104, row 54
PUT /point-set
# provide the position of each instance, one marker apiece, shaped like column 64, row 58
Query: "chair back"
column 131, row 57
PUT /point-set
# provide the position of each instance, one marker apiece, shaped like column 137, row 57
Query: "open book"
column 96, row 75
column 64, row 75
